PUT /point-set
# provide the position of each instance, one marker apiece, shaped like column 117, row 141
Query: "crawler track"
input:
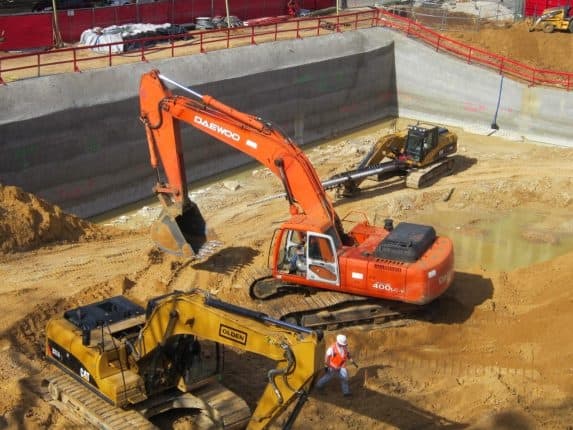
column 420, row 178
column 70, row 396
column 223, row 408
column 323, row 309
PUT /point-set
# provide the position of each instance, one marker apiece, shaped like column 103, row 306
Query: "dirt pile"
column 28, row 222
column 515, row 41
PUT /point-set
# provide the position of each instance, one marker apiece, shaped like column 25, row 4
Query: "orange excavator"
column 363, row 269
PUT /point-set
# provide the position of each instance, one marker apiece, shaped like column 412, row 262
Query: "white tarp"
column 117, row 34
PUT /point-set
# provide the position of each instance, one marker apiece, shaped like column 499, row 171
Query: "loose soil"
column 27, row 222
column 546, row 51
column 495, row 354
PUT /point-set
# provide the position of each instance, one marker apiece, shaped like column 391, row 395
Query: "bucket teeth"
column 183, row 235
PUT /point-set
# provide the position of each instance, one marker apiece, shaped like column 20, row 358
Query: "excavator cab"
column 310, row 255
column 420, row 141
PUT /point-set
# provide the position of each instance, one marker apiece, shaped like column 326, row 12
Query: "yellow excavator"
column 554, row 18
column 121, row 364
column 422, row 153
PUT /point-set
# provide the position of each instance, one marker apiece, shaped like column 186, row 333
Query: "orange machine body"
column 356, row 269
column 367, row 260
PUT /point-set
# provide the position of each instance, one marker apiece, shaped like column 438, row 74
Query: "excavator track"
column 326, row 310
column 223, row 408
column 71, row 396
column 420, row 178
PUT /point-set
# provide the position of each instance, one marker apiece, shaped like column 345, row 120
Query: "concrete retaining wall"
column 439, row 88
column 76, row 139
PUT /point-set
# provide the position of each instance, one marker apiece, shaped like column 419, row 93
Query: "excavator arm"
column 297, row 351
column 387, row 146
column 161, row 113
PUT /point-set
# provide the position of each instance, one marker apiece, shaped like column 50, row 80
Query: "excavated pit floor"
column 495, row 348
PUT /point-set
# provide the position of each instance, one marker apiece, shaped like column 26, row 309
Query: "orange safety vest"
column 338, row 357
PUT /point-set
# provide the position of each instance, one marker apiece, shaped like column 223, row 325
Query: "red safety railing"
column 472, row 55
column 78, row 58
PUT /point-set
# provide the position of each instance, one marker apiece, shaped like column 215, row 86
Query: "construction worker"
column 335, row 364
column 298, row 258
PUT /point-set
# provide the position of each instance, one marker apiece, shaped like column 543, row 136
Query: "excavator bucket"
column 182, row 235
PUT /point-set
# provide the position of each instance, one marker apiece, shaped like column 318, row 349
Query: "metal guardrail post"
column 38, row 64
column 201, row 48
column 533, row 78
column 76, row 68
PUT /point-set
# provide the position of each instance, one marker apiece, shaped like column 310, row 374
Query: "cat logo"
column 233, row 334
column 85, row 374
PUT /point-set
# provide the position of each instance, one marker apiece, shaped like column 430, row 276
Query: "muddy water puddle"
column 502, row 240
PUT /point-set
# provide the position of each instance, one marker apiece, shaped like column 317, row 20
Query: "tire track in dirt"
column 60, row 272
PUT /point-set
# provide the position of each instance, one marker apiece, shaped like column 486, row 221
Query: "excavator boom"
column 161, row 112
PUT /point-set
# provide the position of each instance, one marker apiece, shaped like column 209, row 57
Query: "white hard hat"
column 341, row 340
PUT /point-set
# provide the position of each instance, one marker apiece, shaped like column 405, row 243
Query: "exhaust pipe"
column 182, row 234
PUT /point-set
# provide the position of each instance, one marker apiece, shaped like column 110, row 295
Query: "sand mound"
column 28, row 222
column 536, row 49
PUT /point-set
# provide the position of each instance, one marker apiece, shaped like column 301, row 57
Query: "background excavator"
column 554, row 18
column 422, row 154
column 408, row 263
column 125, row 363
